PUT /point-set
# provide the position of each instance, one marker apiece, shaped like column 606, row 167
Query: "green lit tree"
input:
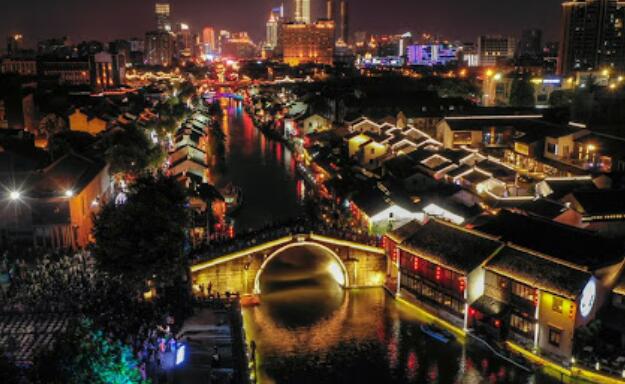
column 143, row 239
column 129, row 150
column 83, row 355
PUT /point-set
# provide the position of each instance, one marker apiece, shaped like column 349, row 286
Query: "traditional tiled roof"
column 71, row 172
column 539, row 271
column 451, row 246
column 572, row 245
column 599, row 202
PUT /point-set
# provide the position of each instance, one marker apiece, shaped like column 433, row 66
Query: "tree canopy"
column 130, row 150
column 522, row 93
column 83, row 355
column 143, row 239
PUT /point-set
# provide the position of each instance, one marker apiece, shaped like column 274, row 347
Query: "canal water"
column 308, row 329
column 262, row 168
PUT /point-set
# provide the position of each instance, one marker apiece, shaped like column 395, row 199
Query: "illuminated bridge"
column 349, row 263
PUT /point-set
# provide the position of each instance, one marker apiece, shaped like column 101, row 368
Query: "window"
column 557, row 304
column 552, row 148
column 555, row 337
column 520, row 325
column 523, row 291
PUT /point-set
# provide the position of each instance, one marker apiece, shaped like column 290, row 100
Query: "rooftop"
column 537, row 271
column 569, row 244
column 451, row 246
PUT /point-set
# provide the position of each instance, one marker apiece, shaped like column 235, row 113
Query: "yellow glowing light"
column 489, row 73
column 497, row 77
column 334, row 269
column 591, row 147
column 605, row 72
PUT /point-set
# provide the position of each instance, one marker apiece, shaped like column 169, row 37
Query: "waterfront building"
column 159, row 48
column 307, row 43
column 495, row 50
column 593, row 36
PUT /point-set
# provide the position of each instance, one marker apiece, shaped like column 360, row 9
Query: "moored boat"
column 437, row 333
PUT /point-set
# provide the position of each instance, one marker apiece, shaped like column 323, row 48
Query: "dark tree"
column 129, row 150
column 522, row 93
column 65, row 142
column 143, row 239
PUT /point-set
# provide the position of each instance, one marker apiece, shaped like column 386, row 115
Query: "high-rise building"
column 14, row 44
column 302, row 11
column 494, row 50
column 159, row 48
column 208, row 41
column 343, row 23
column 239, row 46
column 432, row 54
column 106, row 70
column 185, row 43
column 330, row 9
column 593, row 35
column 163, row 13
column 307, row 43
column 273, row 25
column 531, row 43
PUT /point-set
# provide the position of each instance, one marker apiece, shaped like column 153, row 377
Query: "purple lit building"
column 432, row 54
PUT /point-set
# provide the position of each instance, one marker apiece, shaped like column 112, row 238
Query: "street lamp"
column 69, row 193
column 15, row 195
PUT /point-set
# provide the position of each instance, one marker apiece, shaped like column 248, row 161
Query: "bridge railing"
column 244, row 241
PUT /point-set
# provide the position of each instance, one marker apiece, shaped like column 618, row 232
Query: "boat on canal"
column 437, row 333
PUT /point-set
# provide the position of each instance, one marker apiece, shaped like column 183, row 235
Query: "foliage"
column 143, row 239
column 51, row 124
column 522, row 93
column 83, row 355
column 587, row 335
column 561, row 98
column 129, row 150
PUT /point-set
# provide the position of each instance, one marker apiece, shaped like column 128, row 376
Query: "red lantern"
column 415, row 264
column 498, row 323
column 462, row 284
column 438, row 273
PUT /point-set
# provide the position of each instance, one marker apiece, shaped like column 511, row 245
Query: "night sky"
column 109, row 19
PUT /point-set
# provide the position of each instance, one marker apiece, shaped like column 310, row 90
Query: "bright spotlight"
column 15, row 195
column 69, row 193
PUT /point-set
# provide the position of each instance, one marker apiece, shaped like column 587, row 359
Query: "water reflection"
column 264, row 169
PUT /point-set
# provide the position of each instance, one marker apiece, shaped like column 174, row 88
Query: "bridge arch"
column 326, row 250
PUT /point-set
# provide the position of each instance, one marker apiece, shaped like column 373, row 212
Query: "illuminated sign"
column 589, row 295
column 180, row 354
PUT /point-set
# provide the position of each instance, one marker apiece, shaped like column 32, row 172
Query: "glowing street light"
column 69, row 193
column 15, row 195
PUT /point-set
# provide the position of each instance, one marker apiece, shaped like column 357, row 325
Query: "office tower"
column 344, row 21
column 106, row 70
column 272, row 31
column 330, row 9
column 163, row 21
column 310, row 43
column 209, row 45
column 239, row 46
column 159, row 48
column 593, row 35
column 14, row 44
column 531, row 43
column 493, row 50
column 302, row 11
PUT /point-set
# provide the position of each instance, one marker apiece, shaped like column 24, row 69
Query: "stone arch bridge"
column 360, row 265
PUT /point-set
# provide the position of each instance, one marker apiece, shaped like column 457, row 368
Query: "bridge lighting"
column 337, row 273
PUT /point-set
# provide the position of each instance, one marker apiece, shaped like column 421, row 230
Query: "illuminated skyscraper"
column 302, row 11
column 593, row 35
column 272, row 31
column 343, row 23
column 163, row 13
column 330, row 9
column 307, row 43
column 159, row 48
column 208, row 40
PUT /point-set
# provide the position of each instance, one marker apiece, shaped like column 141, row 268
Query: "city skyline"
column 38, row 19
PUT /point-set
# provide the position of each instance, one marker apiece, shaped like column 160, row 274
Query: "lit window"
column 555, row 337
column 557, row 304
